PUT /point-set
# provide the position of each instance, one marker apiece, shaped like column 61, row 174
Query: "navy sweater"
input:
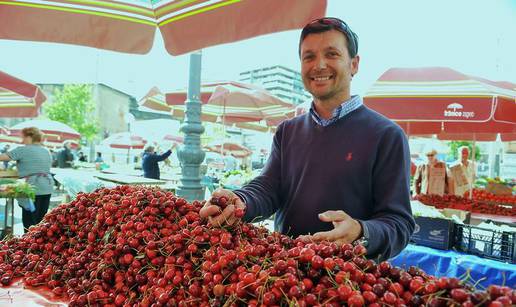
column 150, row 164
column 360, row 164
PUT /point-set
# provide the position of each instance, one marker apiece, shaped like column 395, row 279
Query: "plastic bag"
column 27, row 204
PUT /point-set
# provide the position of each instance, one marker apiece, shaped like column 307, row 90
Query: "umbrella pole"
column 474, row 168
column 191, row 154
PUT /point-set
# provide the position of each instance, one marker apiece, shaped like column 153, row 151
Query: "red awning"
column 19, row 98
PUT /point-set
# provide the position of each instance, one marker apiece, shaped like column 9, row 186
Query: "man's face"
column 465, row 154
column 326, row 67
column 431, row 158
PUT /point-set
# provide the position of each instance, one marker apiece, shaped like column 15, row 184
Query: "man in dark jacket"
column 338, row 173
column 150, row 161
column 65, row 157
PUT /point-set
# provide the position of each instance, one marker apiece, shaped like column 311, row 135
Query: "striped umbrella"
column 228, row 102
column 19, row 98
column 173, row 138
column 129, row 25
column 234, row 149
column 438, row 100
column 6, row 137
column 125, row 140
column 53, row 131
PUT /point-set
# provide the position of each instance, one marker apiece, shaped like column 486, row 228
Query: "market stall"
column 187, row 260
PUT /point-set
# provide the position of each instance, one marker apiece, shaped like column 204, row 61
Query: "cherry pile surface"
column 135, row 246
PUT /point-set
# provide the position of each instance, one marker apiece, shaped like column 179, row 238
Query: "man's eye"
column 308, row 57
column 332, row 54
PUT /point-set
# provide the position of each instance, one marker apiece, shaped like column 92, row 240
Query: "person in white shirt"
column 463, row 172
column 432, row 177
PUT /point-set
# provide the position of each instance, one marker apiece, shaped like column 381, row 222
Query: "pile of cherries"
column 464, row 203
column 135, row 246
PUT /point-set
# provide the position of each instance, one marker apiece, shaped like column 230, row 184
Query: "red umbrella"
column 53, row 131
column 6, row 137
column 173, row 138
column 129, row 26
column 228, row 102
column 440, row 100
column 19, row 98
column 125, row 140
column 234, row 149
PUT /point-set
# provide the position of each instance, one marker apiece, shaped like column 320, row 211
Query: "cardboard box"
column 433, row 232
column 438, row 232
column 498, row 189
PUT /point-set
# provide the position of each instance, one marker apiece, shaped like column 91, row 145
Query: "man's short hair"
column 460, row 149
column 149, row 149
column 327, row 24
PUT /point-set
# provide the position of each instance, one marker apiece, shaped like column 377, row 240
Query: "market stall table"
column 454, row 264
column 7, row 216
column 129, row 180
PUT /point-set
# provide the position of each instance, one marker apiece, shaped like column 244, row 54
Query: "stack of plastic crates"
column 487, row 243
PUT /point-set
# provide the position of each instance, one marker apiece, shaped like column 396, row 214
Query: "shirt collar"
column 353, row 103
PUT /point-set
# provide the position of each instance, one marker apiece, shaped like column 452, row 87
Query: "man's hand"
column 214, row 214
column 346, row 229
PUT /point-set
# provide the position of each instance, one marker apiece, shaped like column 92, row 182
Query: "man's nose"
column 321, row 63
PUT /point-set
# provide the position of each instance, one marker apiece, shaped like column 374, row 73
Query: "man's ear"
column 354, row 65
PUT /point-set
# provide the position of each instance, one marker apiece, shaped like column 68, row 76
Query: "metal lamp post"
column 191, row 155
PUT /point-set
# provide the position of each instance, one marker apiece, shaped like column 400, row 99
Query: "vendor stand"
column 11, row 189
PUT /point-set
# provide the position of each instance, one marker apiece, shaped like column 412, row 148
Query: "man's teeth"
column 321, row 78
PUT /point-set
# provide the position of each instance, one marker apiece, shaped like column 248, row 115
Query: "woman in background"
column 33, row 164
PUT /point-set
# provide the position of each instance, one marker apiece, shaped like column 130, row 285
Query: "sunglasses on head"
column 337, row 24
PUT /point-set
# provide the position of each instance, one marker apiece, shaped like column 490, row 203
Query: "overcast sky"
column 472, row 36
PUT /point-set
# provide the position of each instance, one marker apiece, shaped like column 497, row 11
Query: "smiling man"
column 338, row 173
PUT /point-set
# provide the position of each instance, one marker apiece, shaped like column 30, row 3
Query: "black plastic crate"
column 486, row 243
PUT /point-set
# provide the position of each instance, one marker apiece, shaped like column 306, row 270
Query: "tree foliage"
column 73, row 105
column 455, row 145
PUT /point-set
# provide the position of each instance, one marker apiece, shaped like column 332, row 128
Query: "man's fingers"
column 331, row 235
column 333, row 216
column 209, row 210
column 223, row 217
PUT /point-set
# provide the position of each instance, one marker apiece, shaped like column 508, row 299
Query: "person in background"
column 150, row 161
column 5, row 150
column 340, row 172
column 462, row 172
column 53, row 154
column 65, row 156
column 33, row 162
column 99, row 159
column 82, row 157
column 432, row 177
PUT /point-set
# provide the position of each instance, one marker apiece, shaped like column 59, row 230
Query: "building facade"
column 284, row 83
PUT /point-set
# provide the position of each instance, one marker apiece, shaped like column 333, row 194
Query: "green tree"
column 454, row 146
column 73, row 105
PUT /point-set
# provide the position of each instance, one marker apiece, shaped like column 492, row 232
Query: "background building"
column 284, row 83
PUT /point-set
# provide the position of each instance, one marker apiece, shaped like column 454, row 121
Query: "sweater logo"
column 349, row 157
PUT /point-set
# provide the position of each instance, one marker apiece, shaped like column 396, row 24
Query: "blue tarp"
column 454, row 264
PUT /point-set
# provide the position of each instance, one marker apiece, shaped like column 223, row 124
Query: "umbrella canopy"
column 129, row 26
column 228, row 102
column 125, row 140
column 234, row 149
column 53, row 131
column 6, row 137
column 19, row 98
column 173, row 138
column 438, row 100
column 55, row 145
